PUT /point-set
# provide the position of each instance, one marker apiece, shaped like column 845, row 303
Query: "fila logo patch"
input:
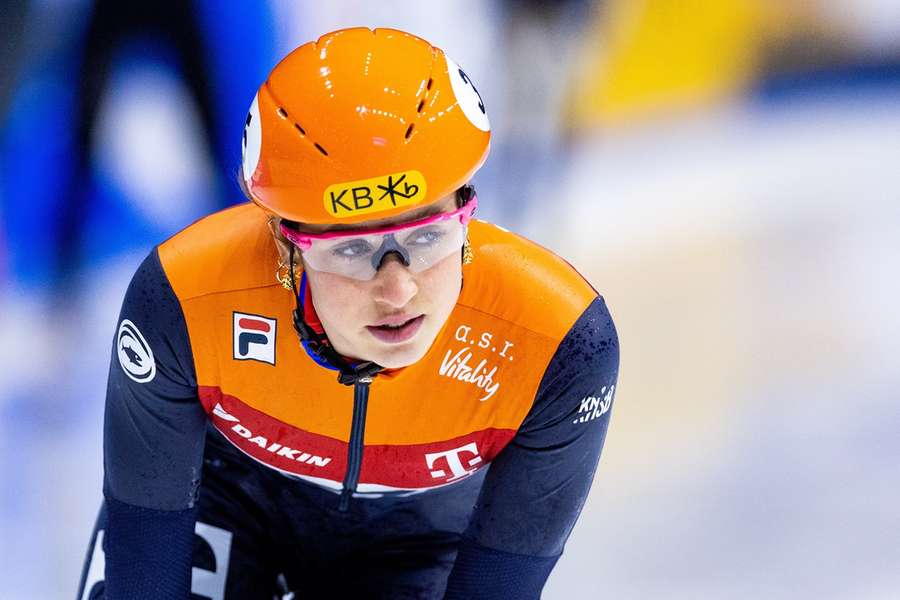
column 254, row 338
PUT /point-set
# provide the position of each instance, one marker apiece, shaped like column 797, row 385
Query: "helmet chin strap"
column 348, row 374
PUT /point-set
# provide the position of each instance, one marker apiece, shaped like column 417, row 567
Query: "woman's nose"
column 394, row 284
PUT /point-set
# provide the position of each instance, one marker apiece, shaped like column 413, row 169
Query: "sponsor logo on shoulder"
column 460, row 364
column 135, row 355
column 254, row 337
column 593, row 407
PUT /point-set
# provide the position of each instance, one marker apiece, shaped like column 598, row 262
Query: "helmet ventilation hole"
column 421, row 106
column 409, row 130
column 430, row 82
column 320, row 149
column 300, row 129
column 282, row 113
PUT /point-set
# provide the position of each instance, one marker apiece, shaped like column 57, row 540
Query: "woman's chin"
column 399, row 357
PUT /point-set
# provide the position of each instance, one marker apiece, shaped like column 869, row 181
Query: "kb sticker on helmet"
column 467, row 96
column 375, row 195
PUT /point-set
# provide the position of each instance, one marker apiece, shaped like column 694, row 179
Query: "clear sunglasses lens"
column 351, row 256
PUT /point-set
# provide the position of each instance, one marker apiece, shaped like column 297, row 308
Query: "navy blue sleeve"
column 153, row 444
column 537, row 485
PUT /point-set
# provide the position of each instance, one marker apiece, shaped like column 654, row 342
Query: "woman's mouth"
column 395, row 331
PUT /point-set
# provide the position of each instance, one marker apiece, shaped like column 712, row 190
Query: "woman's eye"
column 352, row 249
column 425, row 237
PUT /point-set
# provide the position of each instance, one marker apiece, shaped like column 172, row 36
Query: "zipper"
column 355, row 447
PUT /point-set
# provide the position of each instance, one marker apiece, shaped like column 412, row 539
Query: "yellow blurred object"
column 646, row 55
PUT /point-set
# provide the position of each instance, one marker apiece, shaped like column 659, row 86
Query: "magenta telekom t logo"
column 254, row 338
column 453, row 460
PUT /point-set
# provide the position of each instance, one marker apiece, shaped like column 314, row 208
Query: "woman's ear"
column 283, row 245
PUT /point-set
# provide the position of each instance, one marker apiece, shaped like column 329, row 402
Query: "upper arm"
column 153, row 440
column 536, row 487
column 154, row 425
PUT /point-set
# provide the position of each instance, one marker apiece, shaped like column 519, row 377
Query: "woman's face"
column 393, row 318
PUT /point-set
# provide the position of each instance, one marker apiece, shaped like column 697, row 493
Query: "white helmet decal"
column 252, row 141
column 467, row 96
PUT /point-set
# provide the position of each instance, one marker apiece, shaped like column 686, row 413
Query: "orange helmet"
column 362, row 124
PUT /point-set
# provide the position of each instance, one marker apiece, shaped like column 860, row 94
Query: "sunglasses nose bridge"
column 389, row 246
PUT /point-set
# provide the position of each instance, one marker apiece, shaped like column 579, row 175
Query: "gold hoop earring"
column 467, row 254
column 283, row 275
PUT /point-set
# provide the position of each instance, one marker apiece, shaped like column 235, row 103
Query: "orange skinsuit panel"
column 517, row 303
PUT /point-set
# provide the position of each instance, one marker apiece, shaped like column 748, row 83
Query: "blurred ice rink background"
column 725, row 174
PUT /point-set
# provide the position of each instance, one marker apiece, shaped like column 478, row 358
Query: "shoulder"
column 580, row 381
column 590, row 348
column 519, row 281
column 226, row 251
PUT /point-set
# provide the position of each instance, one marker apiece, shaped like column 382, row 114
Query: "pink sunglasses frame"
column 304, row 241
